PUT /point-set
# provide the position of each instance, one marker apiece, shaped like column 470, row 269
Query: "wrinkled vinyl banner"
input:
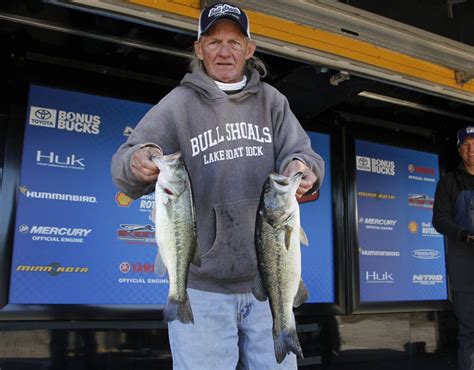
column 79, row 240
column 401, row 256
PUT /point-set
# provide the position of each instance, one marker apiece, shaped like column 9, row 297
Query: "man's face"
column 466, row 151
column 224, row 50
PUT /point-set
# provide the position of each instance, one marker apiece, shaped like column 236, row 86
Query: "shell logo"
column 413, row 227
column 123, row 200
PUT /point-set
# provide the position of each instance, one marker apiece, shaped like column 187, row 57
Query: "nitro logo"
column 426, row 254
column 378, row 223
column 43, row 117
column 377, row 277
column 51, row 159
column 423, row 279
column 57, row 196
column 79, row 122
column 223, row 9
column 419, row 169
column 375, row 165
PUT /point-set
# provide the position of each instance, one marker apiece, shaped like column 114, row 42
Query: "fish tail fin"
column 286, row 342
column 178, row 310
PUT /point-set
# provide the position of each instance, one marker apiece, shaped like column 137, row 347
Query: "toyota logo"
column 43, row 114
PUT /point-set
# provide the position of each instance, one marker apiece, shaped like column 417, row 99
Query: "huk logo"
column 51, row 159
column 44, row 117
column 376, row 277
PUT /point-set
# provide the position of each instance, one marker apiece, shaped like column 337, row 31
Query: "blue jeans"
column 464, row 308
column 230, row 331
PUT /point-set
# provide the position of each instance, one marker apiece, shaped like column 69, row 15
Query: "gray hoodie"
column 230, row 143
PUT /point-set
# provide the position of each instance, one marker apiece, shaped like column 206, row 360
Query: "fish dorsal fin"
column 303, row 237
column 301, row 296
column 288, row 233
column 160, row 266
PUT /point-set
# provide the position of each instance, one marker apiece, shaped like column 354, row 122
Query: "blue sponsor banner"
column 79, row 240
column 401, row 256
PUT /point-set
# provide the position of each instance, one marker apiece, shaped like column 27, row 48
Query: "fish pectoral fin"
column 152, row 215
column 303, row 237
column 258, row 290
column 160, row 266
column 288, row 232
column 301, row 296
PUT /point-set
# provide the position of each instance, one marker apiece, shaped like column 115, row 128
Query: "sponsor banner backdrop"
column 401, row 256
column 79, row 240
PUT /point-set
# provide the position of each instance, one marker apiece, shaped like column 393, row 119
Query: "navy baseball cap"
column 465, row 133
column 217, row 12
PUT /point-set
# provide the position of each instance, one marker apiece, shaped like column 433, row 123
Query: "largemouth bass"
column 175, row 233
column 277, row 238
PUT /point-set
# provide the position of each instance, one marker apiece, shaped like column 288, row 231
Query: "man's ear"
column 251, row 47
column 198, row 50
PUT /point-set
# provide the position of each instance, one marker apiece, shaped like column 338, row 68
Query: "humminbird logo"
column 57, row 196
column 51, row 159
column 376, row 277
column 43, row 117
column 427, row 279
column 375, row 253
column 375, row 165
column 53, row 269
column 223, row 9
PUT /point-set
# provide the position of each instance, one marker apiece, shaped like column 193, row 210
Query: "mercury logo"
column 44, row 117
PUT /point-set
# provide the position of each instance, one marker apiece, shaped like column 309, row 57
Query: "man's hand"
column 308, row 179
column 467, row 237
column 142, row 166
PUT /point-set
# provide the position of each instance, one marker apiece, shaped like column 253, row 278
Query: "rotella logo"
column 44, row 117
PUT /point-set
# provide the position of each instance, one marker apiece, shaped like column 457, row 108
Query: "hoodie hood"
column 200, row 82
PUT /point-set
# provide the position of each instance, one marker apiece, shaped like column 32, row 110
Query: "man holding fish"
column 231, row 131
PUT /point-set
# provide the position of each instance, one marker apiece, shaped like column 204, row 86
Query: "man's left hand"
column 308, row 179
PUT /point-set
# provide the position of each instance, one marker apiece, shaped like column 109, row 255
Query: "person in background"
column 453, row 216
column 232, row 130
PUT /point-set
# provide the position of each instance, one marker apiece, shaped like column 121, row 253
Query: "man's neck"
column 469, row 169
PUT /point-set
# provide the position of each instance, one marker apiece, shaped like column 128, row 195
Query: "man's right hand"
column 142, row 166
column 467, row 237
